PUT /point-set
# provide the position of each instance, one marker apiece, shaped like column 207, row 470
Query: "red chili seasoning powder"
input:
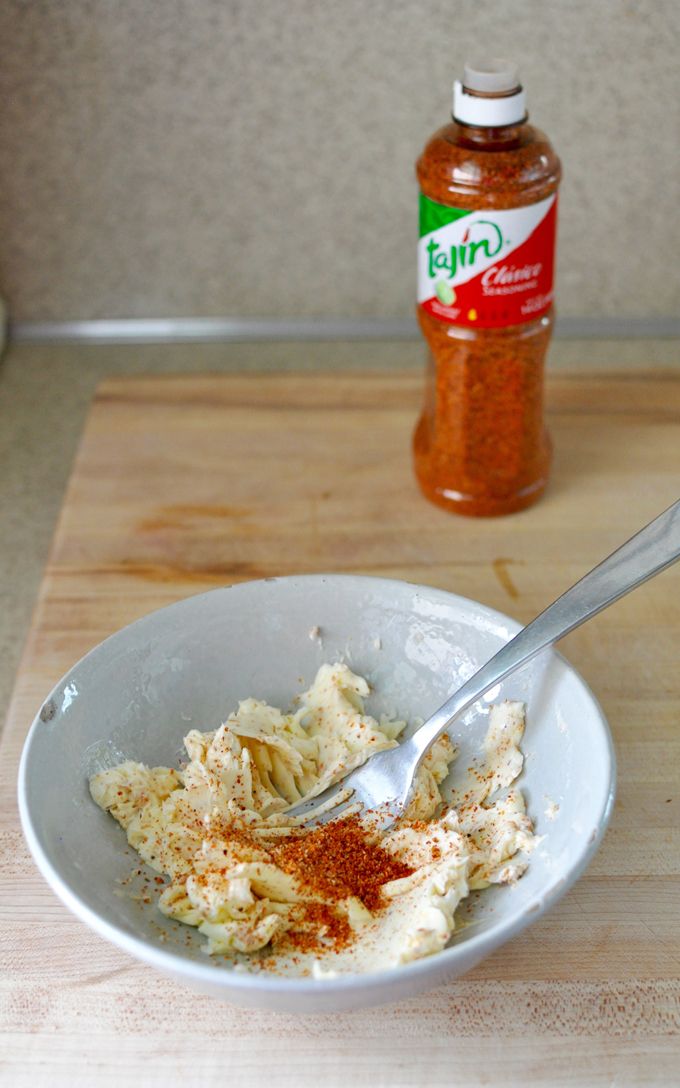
column 321, row 927
column 337, row 860
column 488, row 209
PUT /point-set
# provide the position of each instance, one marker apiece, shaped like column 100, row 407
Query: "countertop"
column 172, row 494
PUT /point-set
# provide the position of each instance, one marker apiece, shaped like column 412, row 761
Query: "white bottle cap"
column 489, row 95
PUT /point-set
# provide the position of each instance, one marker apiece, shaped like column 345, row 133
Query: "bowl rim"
column 214, row 972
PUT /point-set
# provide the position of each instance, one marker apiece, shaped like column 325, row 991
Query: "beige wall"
column 205, row 157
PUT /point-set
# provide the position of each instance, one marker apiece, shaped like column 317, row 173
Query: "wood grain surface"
column 185, row 483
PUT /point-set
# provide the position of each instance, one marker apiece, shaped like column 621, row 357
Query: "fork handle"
column 651, row 550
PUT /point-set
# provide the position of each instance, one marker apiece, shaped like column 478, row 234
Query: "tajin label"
column 486, row 269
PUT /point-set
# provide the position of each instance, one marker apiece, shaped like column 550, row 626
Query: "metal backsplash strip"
column 191, row 329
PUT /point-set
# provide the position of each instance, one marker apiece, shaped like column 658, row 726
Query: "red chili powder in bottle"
column 488, row 209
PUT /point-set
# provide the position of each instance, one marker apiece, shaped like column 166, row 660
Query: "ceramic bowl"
column 186, row 666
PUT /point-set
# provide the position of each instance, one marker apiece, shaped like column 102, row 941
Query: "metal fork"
column 384, row 783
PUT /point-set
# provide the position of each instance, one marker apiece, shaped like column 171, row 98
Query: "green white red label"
column 486, row 269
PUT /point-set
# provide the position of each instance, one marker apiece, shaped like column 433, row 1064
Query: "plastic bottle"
column 488, row 209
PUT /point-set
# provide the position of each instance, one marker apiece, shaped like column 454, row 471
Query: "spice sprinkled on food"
column 337, row 860
column 272, row 895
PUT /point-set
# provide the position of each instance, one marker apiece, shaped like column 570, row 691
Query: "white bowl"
column 186, row 666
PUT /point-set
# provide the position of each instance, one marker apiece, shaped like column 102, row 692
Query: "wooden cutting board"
column 184, row 483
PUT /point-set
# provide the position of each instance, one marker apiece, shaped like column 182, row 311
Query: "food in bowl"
column 337, row 899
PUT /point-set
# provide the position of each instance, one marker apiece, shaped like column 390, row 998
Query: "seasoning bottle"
column 488, row 209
